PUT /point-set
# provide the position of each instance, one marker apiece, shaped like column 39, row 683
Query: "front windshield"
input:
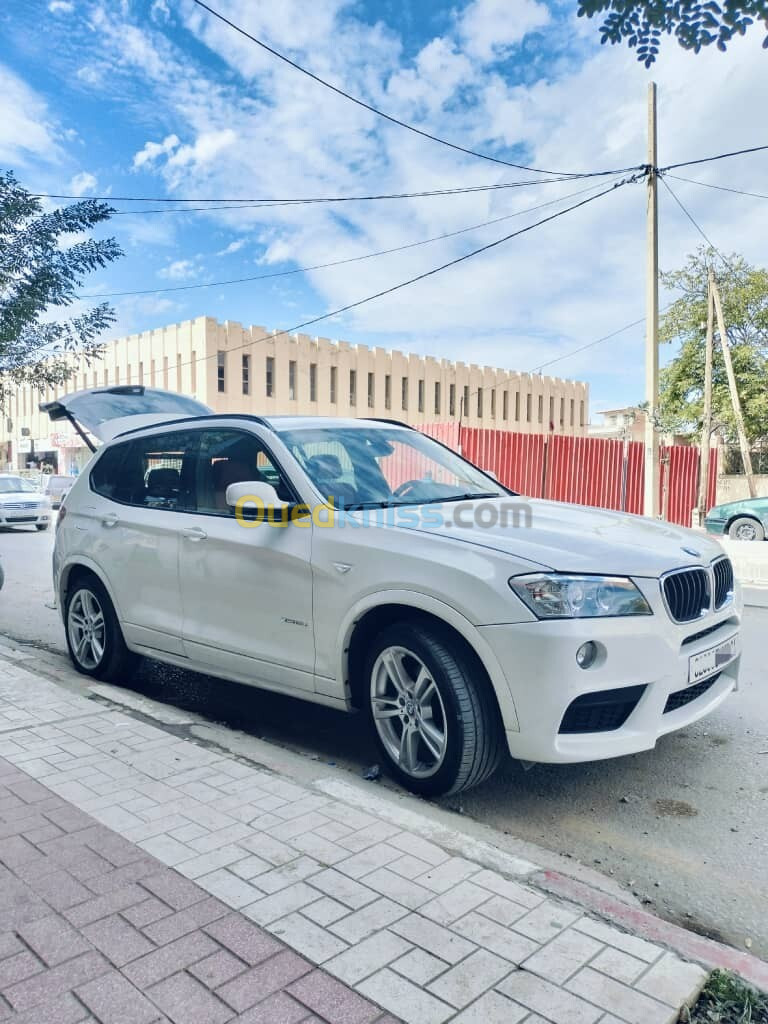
column 11, row 484
column 369, row 467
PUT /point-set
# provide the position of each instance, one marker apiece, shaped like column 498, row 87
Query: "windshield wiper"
column 469, row 496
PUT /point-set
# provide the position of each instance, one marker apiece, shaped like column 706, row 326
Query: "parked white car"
column 395, row 578
column 22, row 503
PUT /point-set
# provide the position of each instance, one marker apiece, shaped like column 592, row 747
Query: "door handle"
column 109, row 520
column 194, row 533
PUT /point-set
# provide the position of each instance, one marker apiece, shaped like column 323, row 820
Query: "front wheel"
column 94, row 637
column 434, row 716
column 746, row 528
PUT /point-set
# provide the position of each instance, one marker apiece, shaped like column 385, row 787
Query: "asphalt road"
column 684, row 826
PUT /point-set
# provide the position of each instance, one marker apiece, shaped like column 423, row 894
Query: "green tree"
column 744, row 292
column 643, row 22
column 43, row 259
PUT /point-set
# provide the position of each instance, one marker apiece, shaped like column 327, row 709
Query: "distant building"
column 239, row 369
column 628, row 423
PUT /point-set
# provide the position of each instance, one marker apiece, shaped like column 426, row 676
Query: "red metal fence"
column 584, row 470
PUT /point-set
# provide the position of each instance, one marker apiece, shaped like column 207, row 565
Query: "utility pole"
column 746, row 457
column 651, row 493
column 706, row 426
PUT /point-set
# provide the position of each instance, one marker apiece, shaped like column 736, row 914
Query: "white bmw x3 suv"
column 361, row 564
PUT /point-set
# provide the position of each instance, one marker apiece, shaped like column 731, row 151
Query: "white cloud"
column 82, row 183
column 235, row 246
column 489, row 28
column 26, row 129
column 152, row 151
column 179, row 270
column 61, row 7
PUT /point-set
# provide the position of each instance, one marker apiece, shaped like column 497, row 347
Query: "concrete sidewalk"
column 148, row 877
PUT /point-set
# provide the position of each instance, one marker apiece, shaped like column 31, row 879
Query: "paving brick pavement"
column 147, row 878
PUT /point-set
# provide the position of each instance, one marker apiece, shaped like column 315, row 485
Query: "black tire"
column 746, row 528
column 115, row 662
column 41, row 526
column 473, row 734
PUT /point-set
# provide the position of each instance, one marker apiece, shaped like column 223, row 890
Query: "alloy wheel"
column 87, row 628
column 408, row 712
column 746, row 532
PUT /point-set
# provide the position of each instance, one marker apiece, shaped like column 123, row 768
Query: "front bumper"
column 31, row 517
column 539, row 660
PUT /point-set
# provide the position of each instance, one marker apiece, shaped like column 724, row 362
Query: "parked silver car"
column 22, row 503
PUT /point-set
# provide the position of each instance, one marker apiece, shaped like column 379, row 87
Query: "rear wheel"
column 746, row 528
column 434, row 717
column 94, row 637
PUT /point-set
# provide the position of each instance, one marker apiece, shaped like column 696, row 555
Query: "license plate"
column 716, row 658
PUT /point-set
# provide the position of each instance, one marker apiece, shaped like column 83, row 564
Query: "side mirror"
column 264, row 495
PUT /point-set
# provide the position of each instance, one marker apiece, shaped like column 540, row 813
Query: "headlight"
column 556, row 596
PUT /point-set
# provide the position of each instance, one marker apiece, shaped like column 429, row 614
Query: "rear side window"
column 151, row 472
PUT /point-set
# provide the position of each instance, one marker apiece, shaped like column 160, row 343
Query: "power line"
column 390, row 117
column 698, row 227
column 337, row 263
column 425, row 274
column 704, row 159
column 720, row 188
column 249, row 203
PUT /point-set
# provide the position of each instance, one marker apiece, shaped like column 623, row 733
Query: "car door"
column 246, row 587
column 142, row 494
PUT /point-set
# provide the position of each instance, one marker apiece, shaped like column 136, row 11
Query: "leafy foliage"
column 726, row 999
column 642, row 22
column 744, row 292
column 43, row 259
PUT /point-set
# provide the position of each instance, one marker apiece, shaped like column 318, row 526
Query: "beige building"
column 232, row 368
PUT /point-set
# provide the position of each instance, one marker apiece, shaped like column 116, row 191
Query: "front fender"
column 423, row 602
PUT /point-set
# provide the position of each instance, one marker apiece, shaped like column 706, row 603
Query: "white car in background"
column 568, row 634
column 22, row 503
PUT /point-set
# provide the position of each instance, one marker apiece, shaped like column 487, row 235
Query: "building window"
column 505, row 405
column 178, row 371
column 353, row 387
column 270, row 376
column 562, row 412
column 404, row 393
column 493, row 403
column 371, row 392
column 141, row 374
column 465, row 401
column 128, row 374
column 313, row 382
column 106, row 378
column 451, row 399
column 334, row 375
column 437, row 398
column 517, row 406
column 387, row 391
column 221, row 370
column 581, row 413
column 421, row 395
column 479, row 403
column 551, row 413
column 246, row 375
column 573, row 412
column 528, row 407
column 541, row 408
column 291, row 380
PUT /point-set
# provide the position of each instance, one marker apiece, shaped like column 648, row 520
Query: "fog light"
column 586, row 654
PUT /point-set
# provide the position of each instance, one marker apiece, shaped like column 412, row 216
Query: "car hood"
column 575, row 538
column 12, row 497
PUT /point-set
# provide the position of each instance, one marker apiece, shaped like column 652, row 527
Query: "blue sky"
column 155, row 98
